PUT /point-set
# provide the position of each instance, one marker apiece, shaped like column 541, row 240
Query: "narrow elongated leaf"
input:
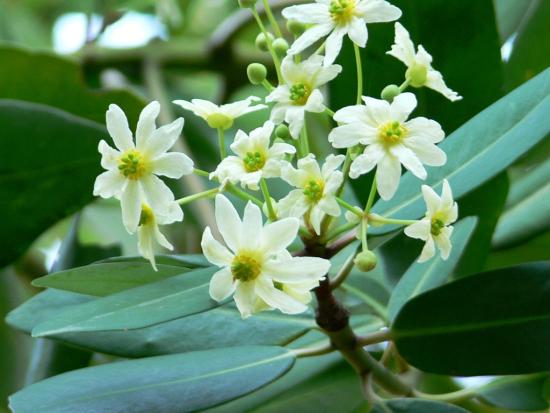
column 523, row 393
column 109, row 278
column 417, row 406
column 165, row 384
column 183, row 260
column 480, row 149
column 431, row 274
column 496, row 322
column 139, row 307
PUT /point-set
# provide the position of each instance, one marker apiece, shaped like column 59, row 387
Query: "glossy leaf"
column 480, row 149
column 523, row 393
column 182, row 260
column 108, row 278
column 166, row 300
column 417, row 406
column 491, row 323
column 183, row 382
column 431, row 274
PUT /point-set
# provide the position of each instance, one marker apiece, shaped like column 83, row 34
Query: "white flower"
column 132, row 169
column 149, row 232
column 420, row 72
column 435, row 227
column 256, row 265
column 338, row 17
column 317, row 189
column 300, row 93
column 391, row 140
column 220, row 116
column 255, row 158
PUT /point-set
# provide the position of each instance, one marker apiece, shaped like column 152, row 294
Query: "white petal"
column 252, row 222
column 214, row 251
column 346, row 136
column 221, row 285
column 278, row 299
column 295, row 177
column 161, row 239
column 443, row 241
column 145, row 244
column 409, row 160
column 242, row 107
column 130, row 202
column 297, row 269
column 242, row 144
column 325, row 74
column 156, row 192
column 146, row 124
column 419, row 230
column 428, row 153
column 350, row 114
column 378, row 111
column 435, row 81
column 293, row 205
column 295, row 118
column 365, row 162
column 402, row 106
column 279, row 149
column 314, row 103
column 309, row 165
column 278, row 235
column 329, row 206
column 428, row 251
column 307, row 13
column 333, row 44
column 309, row 37
column 109, row 184
column 403, row 47
column 446, row 196
column 332, row 163
column 333, row 182
column 173, row 165
column 163, row 138
column 316, row 216
column 426, row 128
column 244, row 298
column 377, row 11
column 117, row 126
column 388, row 174
column 432, row 200
column 358, row 32
column 229, row 223
column 109, row 156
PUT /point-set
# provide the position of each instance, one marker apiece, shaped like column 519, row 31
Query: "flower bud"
column 365, row 261
column 390, row 92
column 247, row 4
column 295, row 27
column 280, row 46
column 261, row 41
column 282, row 132
column 417, row 75
column 256, row 73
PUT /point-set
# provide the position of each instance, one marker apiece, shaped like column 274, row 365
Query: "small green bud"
column 390, row 92
column 247, row 4
column 282, row 132
column 256, row 73
column 280, row 46
column 295, row 27
column 365, row 261
column 417, row 75
column 261, row 42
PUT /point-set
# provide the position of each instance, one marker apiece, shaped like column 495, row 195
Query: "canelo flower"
column 300, row 93
column 149, row 232
column 336, row 18
column 419, row 64
column 390, row 140
column 132, row 169
column 435, row 228
column 255, row 265
column 255, row 158
column 316, row 195
column 220, row 117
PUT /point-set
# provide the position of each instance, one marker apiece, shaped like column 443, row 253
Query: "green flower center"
column 132, row 164
column 437, row 226
column 245, row 267
column 392, row 132
column 146, row 216
column 254, row 161
column 342, row 11
column 314, row 190
column 299, row 93
column 219, row 121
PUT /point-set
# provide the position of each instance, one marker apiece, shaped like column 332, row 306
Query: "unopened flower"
column 132, row 169
column 419, row 64
column 337, row 18
column 316, row 195
column 220, row 117
column 255, row 158
column 149, row 233
column 390, row 140
column 255, row 263
column 435, row 228
column 300, row 93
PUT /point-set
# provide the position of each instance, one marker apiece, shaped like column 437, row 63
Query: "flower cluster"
column 256, row 267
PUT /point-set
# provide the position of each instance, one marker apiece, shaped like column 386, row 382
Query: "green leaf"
column 431, row 274
column 480, row 149
column 165, row 384
column 150, row 304
column 50, row 152
column 109, row 278
column 492, row 323
column 417, row 406
column 511, row 15
column 182, row 260
column 517, row 393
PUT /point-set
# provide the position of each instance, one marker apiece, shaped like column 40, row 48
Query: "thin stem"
column 221, row 143
column 404, row 85
column 267, row 198
column 200, row 172
column 205, row 194
column 329, row 112
column 243, row 195
column 272, row 20
column 339, row 231
column 374, row 338
column 304, row 141
column 453, row 397
column 269, row 87
column 345, row 172
column 372, row 194
column 359, row 73
column 340, row 244
column 344, row 271
column 350, row 207
column 389, row 221
column 274, row 56
column 313, row 351
column 364, row 229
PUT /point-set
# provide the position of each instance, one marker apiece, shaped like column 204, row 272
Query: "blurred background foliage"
column 63, row 61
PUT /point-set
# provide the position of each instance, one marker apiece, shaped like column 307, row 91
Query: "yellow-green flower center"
column 219, row 121
column 147, row 216
column 314, row 190
column 342, row 11
column 392, row 132
column 132, row 164
column 254, row 161
column 299, row 93
column 245, row 267
column 437, row 226
column 417, row 75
